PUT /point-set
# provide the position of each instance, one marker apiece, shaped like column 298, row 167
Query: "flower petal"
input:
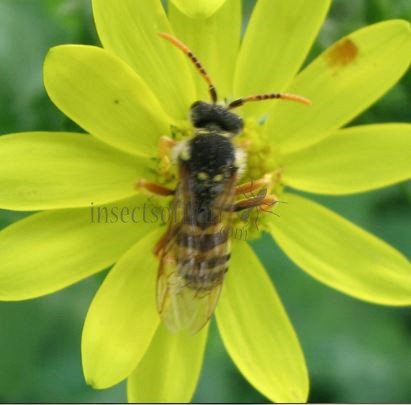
column 170, row 369
column 342, row 82
column 352, row 160
column 129, row 29
column 51, row 250
column 47, row 170
column 105, row 97
column 199, row 9
column 277, row 40
column 218, row 56
column 257, row 332
column 122, row 318
column 340, row 254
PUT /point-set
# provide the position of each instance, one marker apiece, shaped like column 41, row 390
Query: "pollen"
column 262, row 158
column 263, row 164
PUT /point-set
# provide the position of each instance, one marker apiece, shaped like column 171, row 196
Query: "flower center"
column 263, row 161
column 262, row 158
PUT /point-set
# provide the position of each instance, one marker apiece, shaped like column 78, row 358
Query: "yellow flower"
column 138, row 88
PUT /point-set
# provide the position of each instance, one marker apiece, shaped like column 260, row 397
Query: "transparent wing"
column 180, row 305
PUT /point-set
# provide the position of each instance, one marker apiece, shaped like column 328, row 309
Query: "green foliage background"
column 356, row 352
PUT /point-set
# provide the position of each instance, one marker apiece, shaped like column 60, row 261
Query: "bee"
column 194, row 252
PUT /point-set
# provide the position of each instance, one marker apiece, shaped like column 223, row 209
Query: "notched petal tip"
column 91, row 383
column 199, row 9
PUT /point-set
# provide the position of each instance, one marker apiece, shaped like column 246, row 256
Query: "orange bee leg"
column 165, row 146
column 266, row 182
column 252, row 186
column 268, row 202
column 262, row 202
column 154, row 188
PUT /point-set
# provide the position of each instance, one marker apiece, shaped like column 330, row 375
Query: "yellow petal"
column 51, row 250
column 352, row 160
column 105, row 97
column 47, row 170
column 342, row 82
column 215, row 42
column 199, row 9
column 340, row 254
column 170, row 369
column 122, row 318
column 257, row 332
column 129, row 29
column 277, row 40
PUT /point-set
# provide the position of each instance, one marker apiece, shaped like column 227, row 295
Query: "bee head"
column 210, row 160
column 214, row 116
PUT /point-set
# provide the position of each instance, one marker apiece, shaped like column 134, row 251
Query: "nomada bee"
column 195, row 250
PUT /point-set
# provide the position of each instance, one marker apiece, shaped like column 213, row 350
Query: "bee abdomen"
column 207, row 264
column 202, row 242
column 203, row 256
column 204, row 275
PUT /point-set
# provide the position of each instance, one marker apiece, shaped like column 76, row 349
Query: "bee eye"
column 218, row 177
column 202, row 176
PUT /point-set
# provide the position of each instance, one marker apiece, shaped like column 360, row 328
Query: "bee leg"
column 253, row 185
column 165, row 146
column 154, row 188
column 262, row 202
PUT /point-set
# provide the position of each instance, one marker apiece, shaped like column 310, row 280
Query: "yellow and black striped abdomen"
column 202, row 255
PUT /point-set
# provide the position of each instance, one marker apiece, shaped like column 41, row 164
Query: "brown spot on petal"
column 342, row 53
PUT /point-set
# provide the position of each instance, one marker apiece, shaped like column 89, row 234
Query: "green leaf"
column 278, row 38
column 215, row 41
column 342, row 82
column 122, row 318
column 257, row 332
column 106, row 97
column 46, row 170
column 340, row 254
column 52, row 250
column 129, row 29
column 170, row 369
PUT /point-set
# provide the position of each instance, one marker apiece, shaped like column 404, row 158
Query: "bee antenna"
column 269, row 96
column 176, row 42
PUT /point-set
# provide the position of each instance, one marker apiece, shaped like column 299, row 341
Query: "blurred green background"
column 356, row 352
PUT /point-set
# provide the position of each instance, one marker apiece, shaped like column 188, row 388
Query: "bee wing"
column 179, row 305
